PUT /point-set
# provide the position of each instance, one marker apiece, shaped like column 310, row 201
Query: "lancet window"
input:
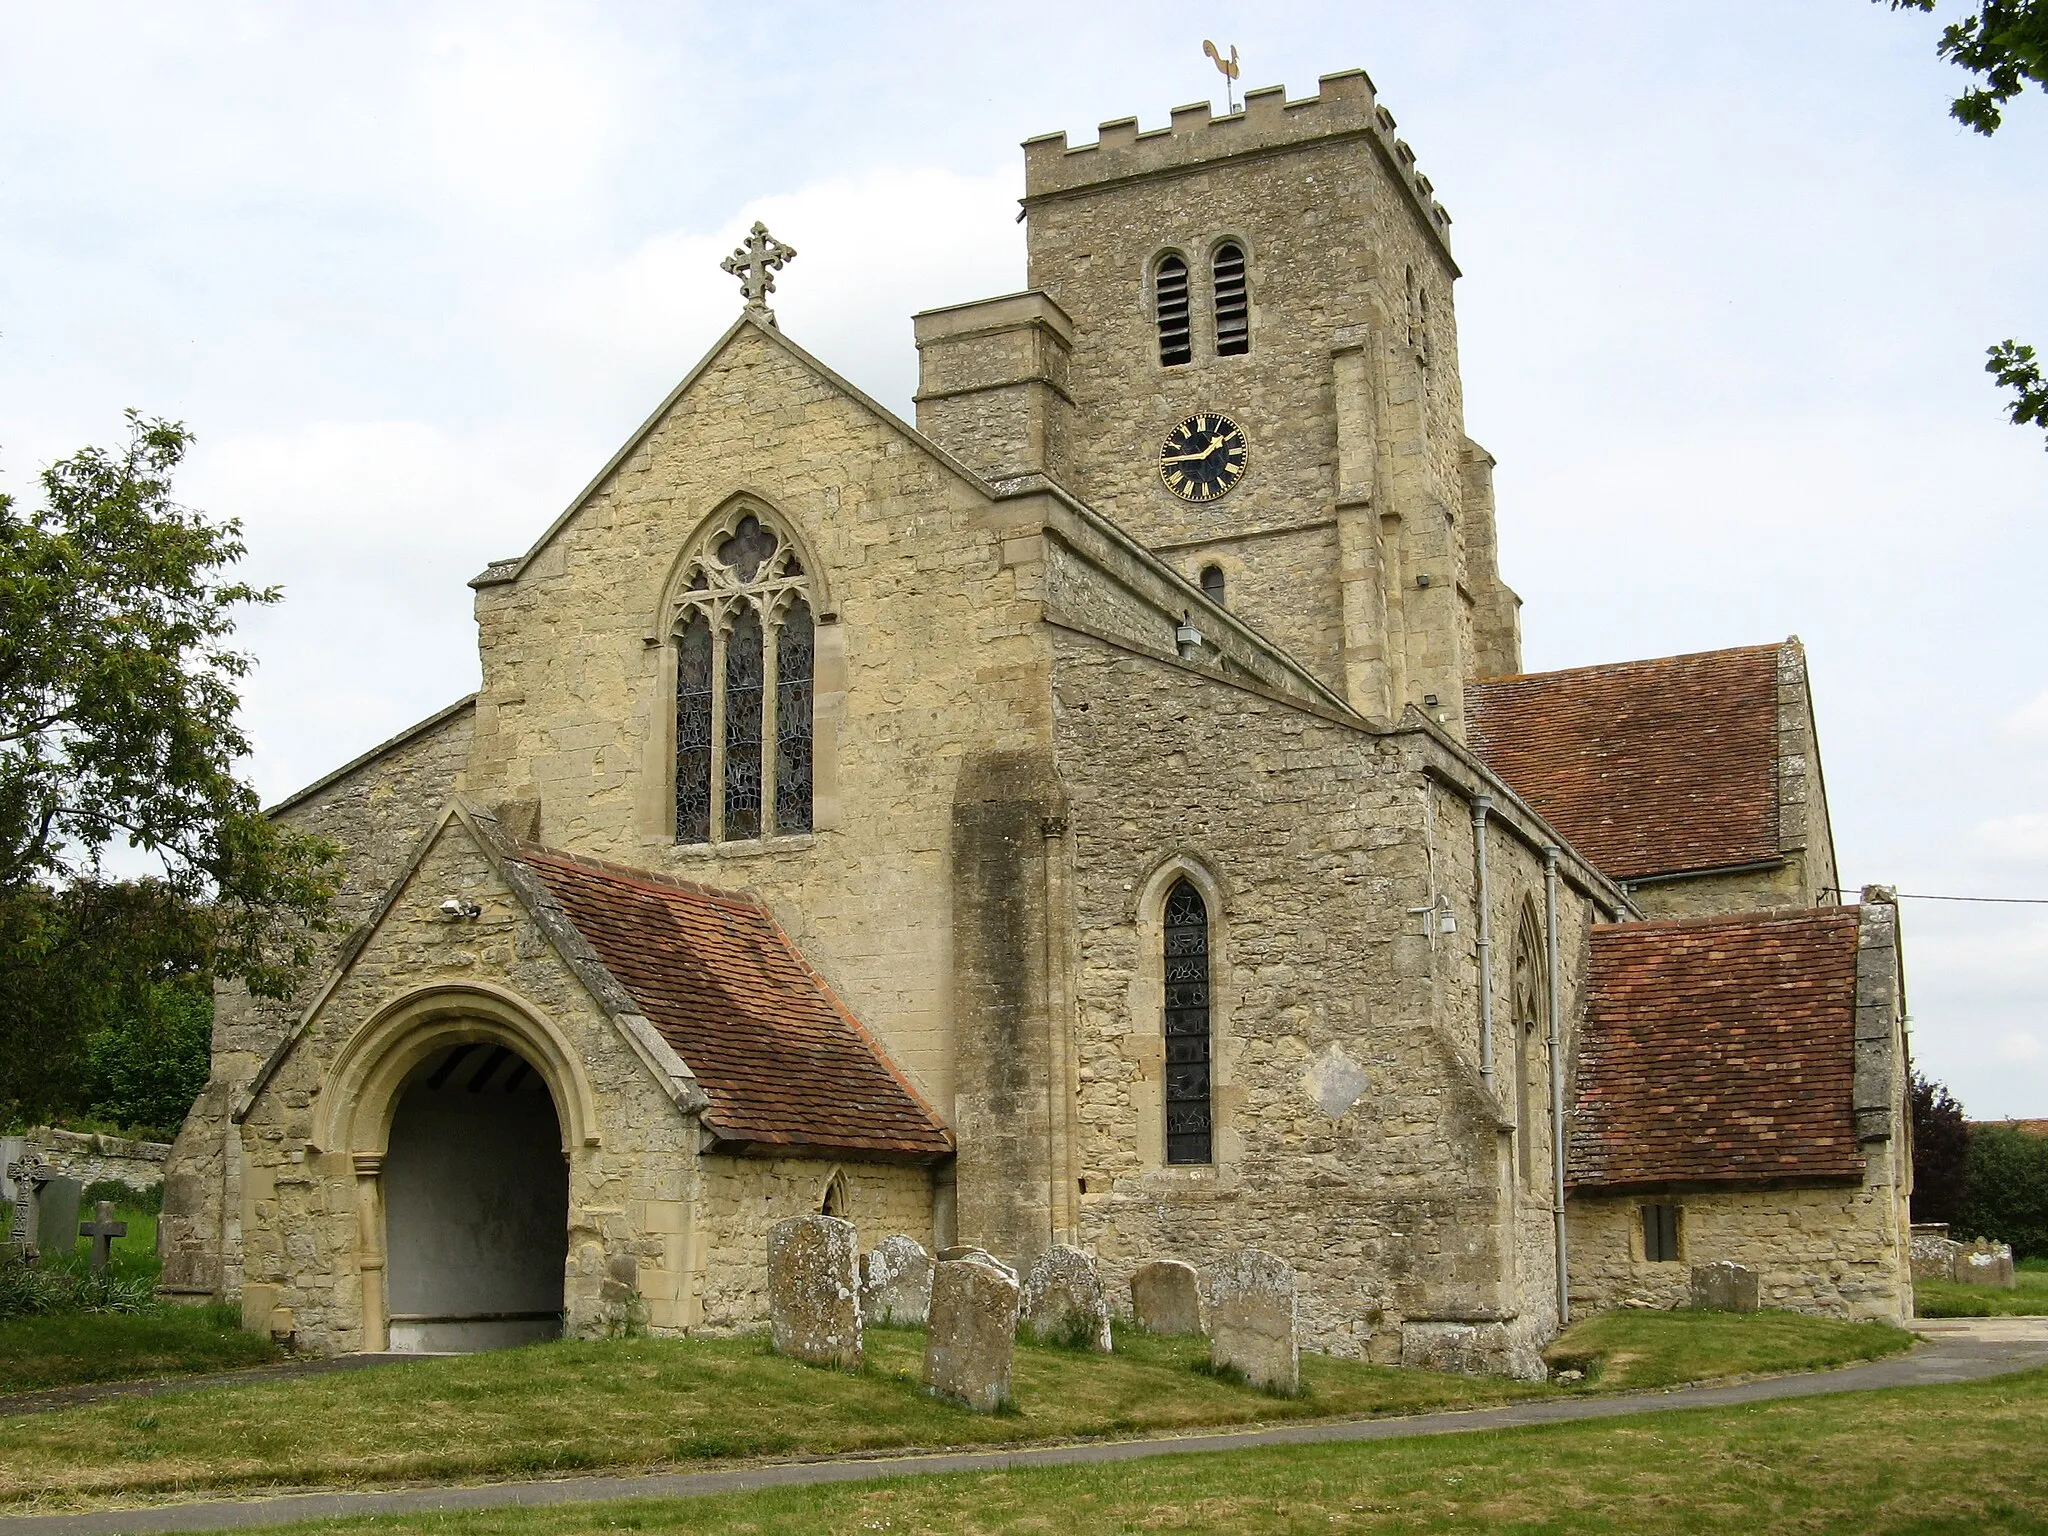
column 1189, row 1107
column 745, row 650
column 1233, row 301
column 1170, row 310
column 1529, row 1000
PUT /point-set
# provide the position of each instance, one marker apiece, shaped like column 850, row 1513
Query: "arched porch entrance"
column 476, row 1204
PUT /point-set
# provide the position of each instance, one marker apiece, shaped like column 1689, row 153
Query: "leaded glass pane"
column 749, row 545
column 795, row 648
column 1188, row 1120
column 693, row 732
column 743, row 690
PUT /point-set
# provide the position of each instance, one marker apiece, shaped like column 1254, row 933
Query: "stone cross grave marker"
column 25, row 1173
column 103, row 1229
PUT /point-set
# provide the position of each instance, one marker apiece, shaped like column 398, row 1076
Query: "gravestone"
column 814, row 1291
column 102, row 1229
column 963, row 1251
column 1723, row 1287
column 1251, row 1321
column 24, row 1173
column 972, row 1336
column 1934, row 1251
column 896, row 1283
column 1166, row 1297
column 57, row 1217
column 1985, row 1263
column 1063, row 1303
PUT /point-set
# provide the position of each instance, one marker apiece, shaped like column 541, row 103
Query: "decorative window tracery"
column 1189, row 1109
column 745, row 648
column 1233, row 300
column 1170, row 310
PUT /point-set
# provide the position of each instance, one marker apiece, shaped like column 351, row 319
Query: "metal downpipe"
column 1564, row 1298
column 1482, row 805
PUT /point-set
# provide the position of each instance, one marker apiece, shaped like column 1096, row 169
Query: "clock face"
column 1203, row 457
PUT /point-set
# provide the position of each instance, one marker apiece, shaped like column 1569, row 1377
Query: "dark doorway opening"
column 476, row 1204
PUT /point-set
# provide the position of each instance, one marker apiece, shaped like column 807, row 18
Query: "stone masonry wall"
column 377, row 808
column 1309, row 838
column 93, row 1158
column 1831, row 1250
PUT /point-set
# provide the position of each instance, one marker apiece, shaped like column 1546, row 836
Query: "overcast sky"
column 412, row 272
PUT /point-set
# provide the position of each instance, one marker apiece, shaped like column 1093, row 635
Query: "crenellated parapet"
column 1344, row 106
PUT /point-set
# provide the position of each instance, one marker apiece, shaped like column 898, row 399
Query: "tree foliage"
column 2008, row 1189
column 2004, row 43
column 1941, row 1153
column 118, row 695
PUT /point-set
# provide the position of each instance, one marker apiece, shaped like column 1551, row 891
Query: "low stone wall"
column 91, row 1158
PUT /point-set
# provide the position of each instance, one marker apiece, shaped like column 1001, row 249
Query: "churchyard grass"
column 1922, row 1461
column 2027, row 1298
column 1634, row 1349
column 630, row 1403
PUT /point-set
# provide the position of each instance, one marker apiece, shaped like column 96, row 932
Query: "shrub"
column 1941, row 1153
column 2008, row 1189
column 126, row 1196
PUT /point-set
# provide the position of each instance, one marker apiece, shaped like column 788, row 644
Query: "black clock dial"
column 1203, row 457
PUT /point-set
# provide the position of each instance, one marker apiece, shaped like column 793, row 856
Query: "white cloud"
column 2020, row 1046
column 2030, row 721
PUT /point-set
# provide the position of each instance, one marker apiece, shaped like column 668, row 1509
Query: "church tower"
column 1241, row 345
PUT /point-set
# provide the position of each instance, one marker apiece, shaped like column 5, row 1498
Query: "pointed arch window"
column 1233, row 300
column 1530, row 989
column 745, row 647
column 1189, row 1101
column 1170, row 310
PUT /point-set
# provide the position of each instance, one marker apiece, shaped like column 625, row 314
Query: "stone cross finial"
column 103, row 1229
column 756, row 261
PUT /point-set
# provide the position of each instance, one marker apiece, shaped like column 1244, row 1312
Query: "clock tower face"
column 1203, row 457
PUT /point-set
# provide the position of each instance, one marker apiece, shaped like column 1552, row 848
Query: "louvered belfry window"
column 745, row 648
column 1170, row 310
column 1233, row 302
column 1188, row 1112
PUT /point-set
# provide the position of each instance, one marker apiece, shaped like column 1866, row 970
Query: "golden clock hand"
column 1182, row 458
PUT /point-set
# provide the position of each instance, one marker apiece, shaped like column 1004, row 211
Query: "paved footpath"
column 1956, row 1350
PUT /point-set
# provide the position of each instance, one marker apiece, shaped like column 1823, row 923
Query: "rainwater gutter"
column 1482, row 805
column 1564, row 1303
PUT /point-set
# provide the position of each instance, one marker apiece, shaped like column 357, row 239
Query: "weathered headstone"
column 57, row 1217
column 1985, row 1263
column 1934, row 1251
column 814, row 1291
column 1724, row 1287
column 964, row 1251
column 1063, row 1302
column 972, row 1336
column 1251, row 1321
column 896, row 1282
column 102, row 1229
column 1166, row 1296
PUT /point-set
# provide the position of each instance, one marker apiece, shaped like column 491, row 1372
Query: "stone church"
column 1109, row 812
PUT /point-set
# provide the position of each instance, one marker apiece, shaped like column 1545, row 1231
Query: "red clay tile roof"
column 781, row 1058
column 1646, row 767
column 1718, row 1049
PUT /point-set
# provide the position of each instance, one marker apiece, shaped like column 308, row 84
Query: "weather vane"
column 1228, row 67
column 759, row 257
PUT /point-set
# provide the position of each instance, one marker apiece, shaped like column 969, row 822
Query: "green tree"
column 2008, row 1189
column 118, row 695
column 144, row 1069
column 1941, row 1153
column 2004, row 43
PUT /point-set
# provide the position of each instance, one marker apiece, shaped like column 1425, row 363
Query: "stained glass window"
column 794, row 652
column 1188, row 1127
column 749, row 545
column 744, row 677
column 693, row 732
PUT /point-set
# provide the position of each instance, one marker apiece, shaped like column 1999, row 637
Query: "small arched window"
column 744, row 660
column 1170, row 310
column 1212, row 584
column 1188, row 1101
column 1528, row 1006
column 1233, row 301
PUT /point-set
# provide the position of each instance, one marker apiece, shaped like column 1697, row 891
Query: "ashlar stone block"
column 1166, row 1297
column 896, row 1283
column 1063, row 1300
column 971, row 1338
column 1252, row 1321
column 814, row 1291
